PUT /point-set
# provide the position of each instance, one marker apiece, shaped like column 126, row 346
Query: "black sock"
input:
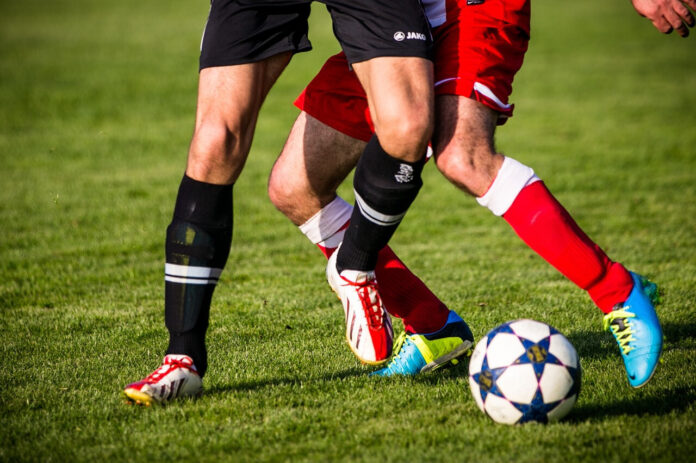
column 384, row 188
column 197, row 246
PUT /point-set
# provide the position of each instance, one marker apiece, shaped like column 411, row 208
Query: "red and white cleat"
column 368, row 326
column 176, row 377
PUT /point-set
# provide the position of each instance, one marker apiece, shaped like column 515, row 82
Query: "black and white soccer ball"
column 524, row 371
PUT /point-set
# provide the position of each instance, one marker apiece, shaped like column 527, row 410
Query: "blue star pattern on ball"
column 524, row 371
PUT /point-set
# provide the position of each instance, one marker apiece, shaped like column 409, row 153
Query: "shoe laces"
column 370, row 299
column 168, row 365
column 617, row 322
column 398, row 344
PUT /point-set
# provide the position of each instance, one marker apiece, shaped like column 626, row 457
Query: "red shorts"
column 478, row 51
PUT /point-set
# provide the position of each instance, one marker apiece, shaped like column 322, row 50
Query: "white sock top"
column 328, row 221
column 512, row 177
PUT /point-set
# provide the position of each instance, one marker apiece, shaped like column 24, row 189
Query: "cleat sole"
column 638, row 386
column 136, row 397
column 363, row 361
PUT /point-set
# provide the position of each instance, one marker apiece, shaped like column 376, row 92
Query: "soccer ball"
column 524, row 371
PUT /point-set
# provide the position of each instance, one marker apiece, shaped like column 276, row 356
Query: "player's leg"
column 389, row 46
column 469, row 103
column 303, row 186
column 387, row 177
column 233, row 83
column 465, row 154
column 200, row 233
column 229, row 99
column 512, row 190
column 400, row 97
column 418, row 349
column 315, row 159
column 496, row 41
column 373, row 38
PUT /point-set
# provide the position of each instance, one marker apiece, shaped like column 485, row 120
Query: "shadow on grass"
column 593, row 344
column 668, row 401
column 589, row 344
column 676, row 332
column 456, row 372
column 287, row 381
column 601, row 344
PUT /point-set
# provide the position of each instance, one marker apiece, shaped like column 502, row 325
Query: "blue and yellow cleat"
column 419, row 353
column 637, row 330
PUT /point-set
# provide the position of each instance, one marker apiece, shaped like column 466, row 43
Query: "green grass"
column 96, row 111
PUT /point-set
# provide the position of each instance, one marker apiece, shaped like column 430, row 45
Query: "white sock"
column 512, row 177
column 327, row 227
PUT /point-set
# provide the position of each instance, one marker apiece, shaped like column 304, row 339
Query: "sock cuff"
column 328, row 221
column 204, row 203
column 512, row 177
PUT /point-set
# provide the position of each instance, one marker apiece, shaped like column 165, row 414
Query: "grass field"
column 96, row 111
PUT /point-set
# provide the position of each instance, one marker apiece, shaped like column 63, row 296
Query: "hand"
column 668, row 15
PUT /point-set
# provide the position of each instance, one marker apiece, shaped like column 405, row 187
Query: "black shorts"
column 246, row 31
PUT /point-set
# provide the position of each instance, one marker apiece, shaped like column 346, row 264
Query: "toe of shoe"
column 138, row 392
column 640, row 369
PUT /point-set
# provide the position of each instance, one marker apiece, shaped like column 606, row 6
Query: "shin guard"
column 384, row 188
column 197, row 246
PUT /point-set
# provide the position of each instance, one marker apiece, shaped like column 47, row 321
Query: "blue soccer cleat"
column 419, row 353
column 637, row 330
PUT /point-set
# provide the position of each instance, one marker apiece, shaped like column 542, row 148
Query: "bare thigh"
column 229, row 100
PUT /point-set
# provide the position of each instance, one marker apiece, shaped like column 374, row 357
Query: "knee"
column 281, row 192
column 292, row 196
column 471, row 168
column 211, row 140
column 217, row 152
column 404, row 132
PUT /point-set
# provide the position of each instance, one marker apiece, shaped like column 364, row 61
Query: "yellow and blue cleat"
column 420, row 353
column 637, row 331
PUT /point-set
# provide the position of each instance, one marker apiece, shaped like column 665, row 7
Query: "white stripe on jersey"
column 488, row 93
column 449, row 79
column 481, row 89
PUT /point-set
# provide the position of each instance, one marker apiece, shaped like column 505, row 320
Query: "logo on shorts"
column 401, row 36
column 405, row 173
column 415, row 36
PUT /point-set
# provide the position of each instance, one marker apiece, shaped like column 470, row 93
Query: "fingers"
column 679, row 17
column 675, row 22
column 668, row 15
column 685, row 14
column 662, row 25
column 692, row 4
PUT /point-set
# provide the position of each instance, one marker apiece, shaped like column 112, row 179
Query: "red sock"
column 542, row 222
column 407, row 297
